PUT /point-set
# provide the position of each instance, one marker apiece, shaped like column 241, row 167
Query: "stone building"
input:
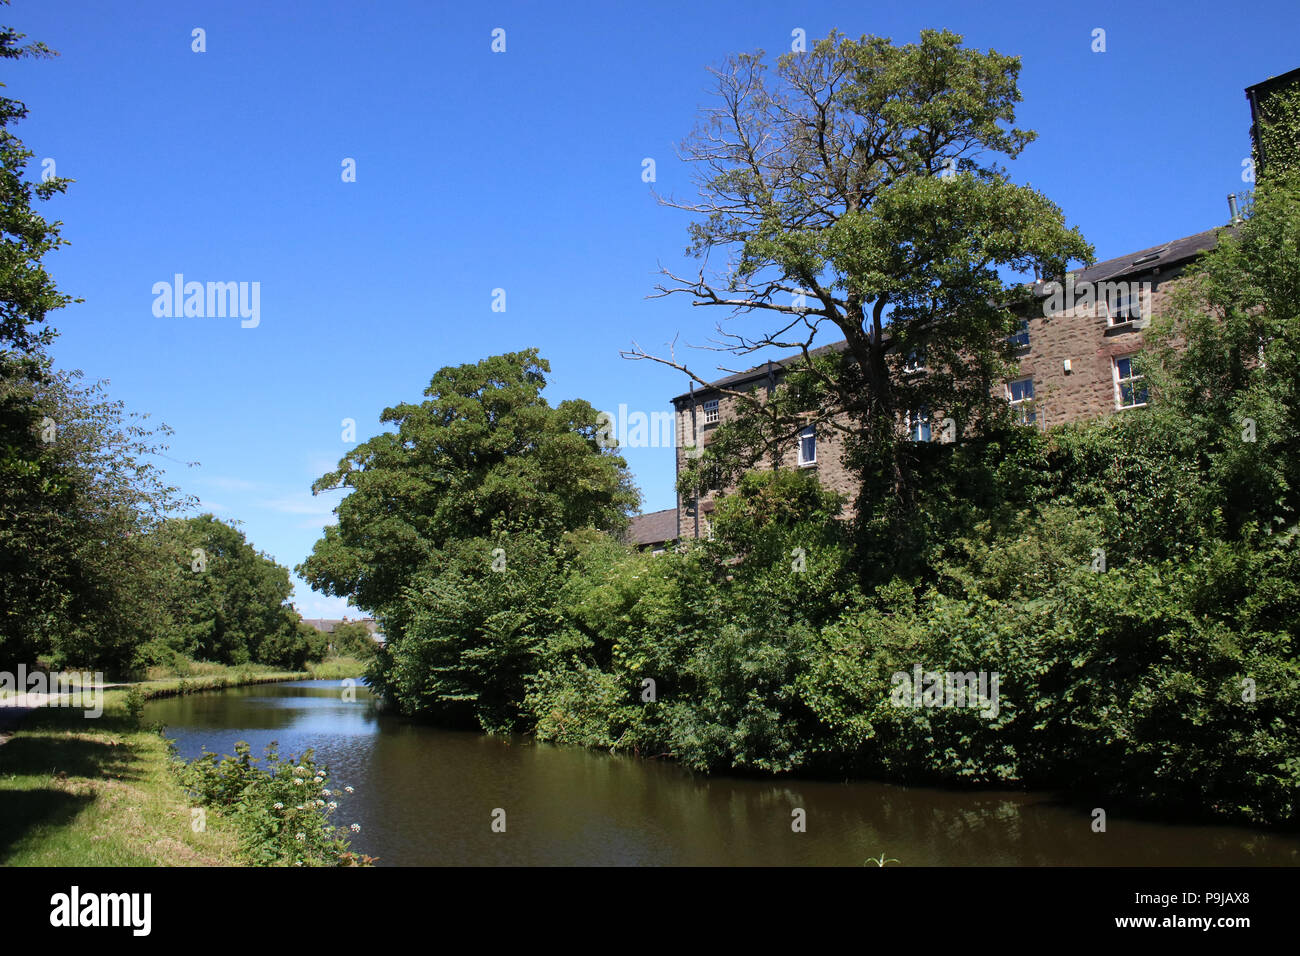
column 1073, row 355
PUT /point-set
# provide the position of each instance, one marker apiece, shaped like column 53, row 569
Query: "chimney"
column 1232, row 210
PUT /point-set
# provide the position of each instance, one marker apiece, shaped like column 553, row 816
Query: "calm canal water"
column 425, row 796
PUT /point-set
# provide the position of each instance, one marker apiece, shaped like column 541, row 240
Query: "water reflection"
column 425, row 796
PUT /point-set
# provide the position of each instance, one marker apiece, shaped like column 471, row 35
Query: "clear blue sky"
column 519, row 171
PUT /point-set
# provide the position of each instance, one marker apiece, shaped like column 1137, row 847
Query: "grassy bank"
column 76, row 791
column 337, row 668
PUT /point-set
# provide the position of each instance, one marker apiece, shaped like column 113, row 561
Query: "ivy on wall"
column 1279, row 129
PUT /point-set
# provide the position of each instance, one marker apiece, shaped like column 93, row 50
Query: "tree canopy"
column 27, row 292
column 857, row 195
column 472, row 493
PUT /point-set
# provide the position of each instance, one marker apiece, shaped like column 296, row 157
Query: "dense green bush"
column 281, row 810
column 352, row 639
column 1139, row 656
column 1132, row 585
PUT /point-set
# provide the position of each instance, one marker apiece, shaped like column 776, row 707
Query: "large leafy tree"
column 472, row 493
column 228, row 600
column 83, row 582
column 27, row 292
column 857, row 195
column 1225, row 362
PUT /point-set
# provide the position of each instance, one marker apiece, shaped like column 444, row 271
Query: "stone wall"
column 1082, row 335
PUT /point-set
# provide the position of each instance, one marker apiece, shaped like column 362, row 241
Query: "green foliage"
column 581, row 704
column 352, row 639
column 453, row 532
column 485, row 456
column 227, row 600
column 79, row 499
column 473, row 634
column 1130, row 584
column 863, row 178
column 27, row 292
column 135, row 705
column 1235, row 381
column 281, row 810
column 1279, row 132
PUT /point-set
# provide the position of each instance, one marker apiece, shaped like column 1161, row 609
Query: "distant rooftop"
column 327, row 625
column 658, row 527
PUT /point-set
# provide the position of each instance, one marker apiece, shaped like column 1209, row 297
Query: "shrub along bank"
column 1123, row 595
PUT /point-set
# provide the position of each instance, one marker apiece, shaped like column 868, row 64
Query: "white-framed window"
column 808, row 446
column 918, row 424
column 1020, row 394
column 1130, row 392
column 915, row 360
column 1124, row 307
column 710, row 411
column 1021, row 337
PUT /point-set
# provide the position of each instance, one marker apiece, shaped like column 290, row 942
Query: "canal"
column 427, row 796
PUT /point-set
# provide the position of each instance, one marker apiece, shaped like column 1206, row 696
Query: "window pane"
column 1124, row 367
column 808, row 445
column 1021, row 336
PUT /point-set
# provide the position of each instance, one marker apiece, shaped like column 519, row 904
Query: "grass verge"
column 76, row 791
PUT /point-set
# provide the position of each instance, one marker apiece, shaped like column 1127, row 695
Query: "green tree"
column 352, row 639
column 456, row 513
column 1224, row 362
column 27, row 292
column 79, row 496
column 228, row 599
column 858, row 196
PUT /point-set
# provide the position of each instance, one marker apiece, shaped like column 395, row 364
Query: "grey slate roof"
column 760, row 371
column 1156, row 257
column 1164, row 256
column 658, row 527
